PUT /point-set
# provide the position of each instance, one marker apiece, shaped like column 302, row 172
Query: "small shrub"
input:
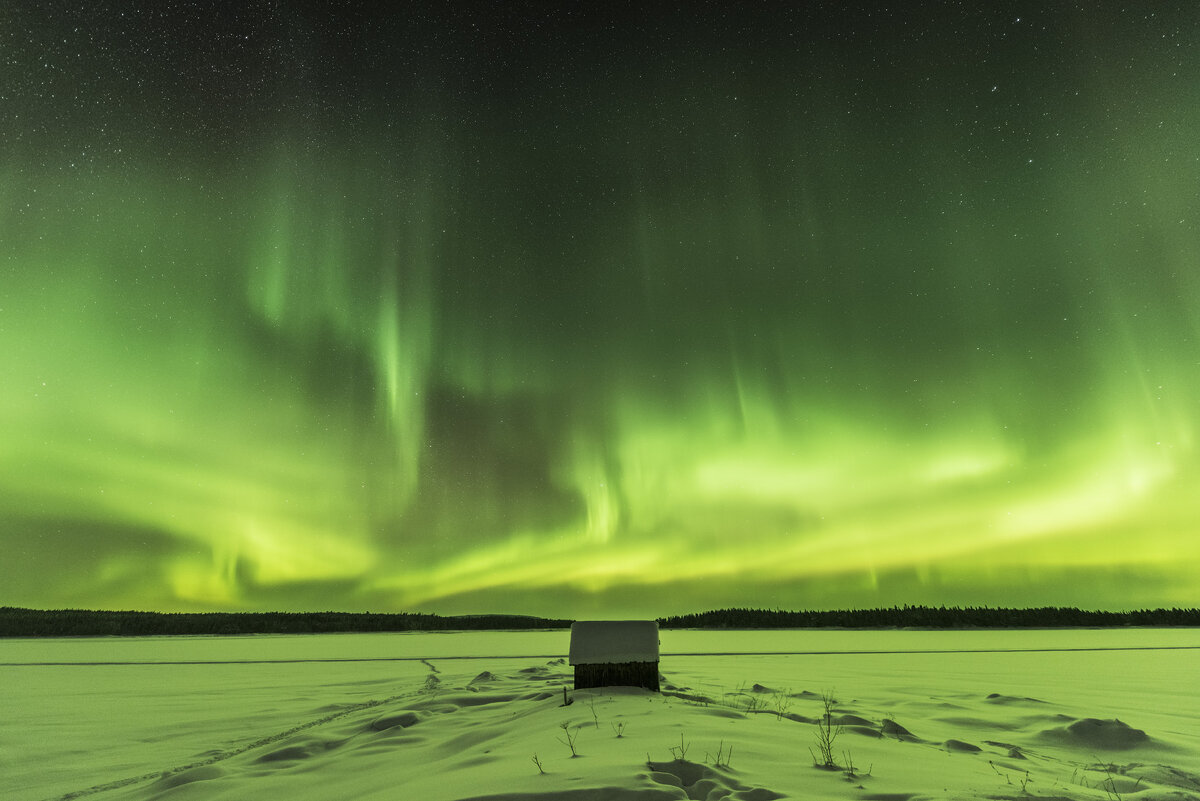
column 827, row 734
column 781, row 702
column 721, row 760
column 680, row 751
column 570, row 739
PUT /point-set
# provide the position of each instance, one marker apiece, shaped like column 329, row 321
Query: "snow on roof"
column 611, row 641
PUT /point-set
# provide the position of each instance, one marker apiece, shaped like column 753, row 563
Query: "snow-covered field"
column 920, row 715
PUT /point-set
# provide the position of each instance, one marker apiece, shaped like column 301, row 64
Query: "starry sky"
column 628, row 309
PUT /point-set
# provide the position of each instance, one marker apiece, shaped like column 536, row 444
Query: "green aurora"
column 611, row 313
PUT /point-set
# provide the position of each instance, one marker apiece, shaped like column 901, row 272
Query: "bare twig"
column 680, row 751
column 782, row 703
column 722, row 758
column 569, row 742
column 827, row 733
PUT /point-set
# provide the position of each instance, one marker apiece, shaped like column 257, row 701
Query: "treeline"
column 16, row 622
column 942, row 617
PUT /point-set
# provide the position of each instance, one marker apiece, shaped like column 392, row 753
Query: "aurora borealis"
column 612, row 311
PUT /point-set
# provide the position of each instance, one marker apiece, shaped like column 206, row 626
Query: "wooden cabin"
column 615, row 653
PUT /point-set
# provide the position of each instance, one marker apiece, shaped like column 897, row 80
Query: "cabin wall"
column 617, row 674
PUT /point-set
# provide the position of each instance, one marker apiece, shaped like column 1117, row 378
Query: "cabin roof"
column 613, row 641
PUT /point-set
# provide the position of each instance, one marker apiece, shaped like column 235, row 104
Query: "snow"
column 958, row 715
column 613, row 641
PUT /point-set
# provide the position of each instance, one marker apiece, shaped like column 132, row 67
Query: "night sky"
column 620, row 311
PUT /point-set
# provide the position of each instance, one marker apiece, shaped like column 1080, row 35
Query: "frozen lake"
column 83, row 712
column 551, row 644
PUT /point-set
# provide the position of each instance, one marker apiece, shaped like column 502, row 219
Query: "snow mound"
column 1092, row 733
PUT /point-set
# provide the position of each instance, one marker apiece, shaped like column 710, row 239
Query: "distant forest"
column 942, row 617
column 17, row 622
